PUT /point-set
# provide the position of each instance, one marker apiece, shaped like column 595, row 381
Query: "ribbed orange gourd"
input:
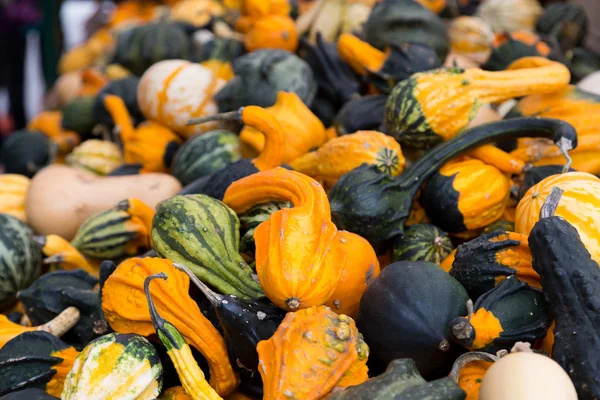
column 312, row 352
column 344, row 153
column 579, row 205
column 300, row 254
column 13, row 190
column 303, row 131
column 126, row 310
column 434, row 106
column 153, row 145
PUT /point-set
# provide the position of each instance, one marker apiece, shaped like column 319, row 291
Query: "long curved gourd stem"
column 118, row 111
column 60, row 251
column 278, row 184
column 273, row 153
column 191, row 376
column 562, row 133
column 467, row 358
column 361, row 56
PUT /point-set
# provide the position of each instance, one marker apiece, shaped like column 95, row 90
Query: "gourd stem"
column 551, row 204
column 157, row 320
column 562, row 133
column 467, row 358
column 215, row 298
column 62, row 323
column 226, row 116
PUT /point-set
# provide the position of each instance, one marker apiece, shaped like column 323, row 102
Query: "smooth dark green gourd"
column 566, row 22
column 26, row 361
column 26, row 152
column 78, row 116
column 363, row 114
column 571, row 285
column 519, row 309
column 535, row 175
column 126, row 89
column 394, row 302
column 369, row 203
column 53, row 292
column 244, row 322
column 402, row 381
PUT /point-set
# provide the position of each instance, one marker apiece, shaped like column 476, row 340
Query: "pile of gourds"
column 328, row 199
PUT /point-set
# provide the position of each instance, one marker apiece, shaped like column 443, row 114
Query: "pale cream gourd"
column 174, row 91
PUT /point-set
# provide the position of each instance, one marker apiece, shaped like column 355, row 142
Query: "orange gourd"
column 13, row 190
column 321, row 347
column 49, row 123
column 344, row 153
column 151, row 144
column 126, row 310
column 302, row 130
column 300, row 254
column 579, row 205
column 272, row 32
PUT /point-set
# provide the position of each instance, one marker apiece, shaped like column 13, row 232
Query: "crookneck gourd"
column 511, row 312
column 344, row 153
column 484, row 262
column 244, row 322
column 54, row 292
column 271, row 155
column 386, row 69
column 126, row 310
column 375, row 206
column 190, row 374
column 35, row 360
column 115, row 366
column 333, row 354
column 401, row 380
column 57, row 327
column 13, row 190
column 571, row 284
column 466, row 195
column 394, row 302
column 151, row 144
column 300, row 254
column 578, row 205
column 61, row 254
column 203, row 233
column 435, row 106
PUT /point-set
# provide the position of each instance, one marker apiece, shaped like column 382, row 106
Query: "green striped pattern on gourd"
column 204, row 154
column 254, row 217
column 106, row 235
column 135, row 370
column 20, row 258
column 500, row 226
column 203, row 234
column 422, row 242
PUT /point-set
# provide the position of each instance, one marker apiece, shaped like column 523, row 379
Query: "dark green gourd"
column 535, row 175
column 204, row 154
column 244, row 322
column 571, row 285
column 203, row 234
column 566, row 22
column 126, row 89
column 20, row 258
column 406, row 21
column 53, row 292
column 509, row 313
column 394, row 302
column 142, row 46
column 375, row 206
column 26, row 152
column 78, row 116
column 29, row 394
column 401, row 381
column 362, row 114
column 30, row 359
column 422, row 242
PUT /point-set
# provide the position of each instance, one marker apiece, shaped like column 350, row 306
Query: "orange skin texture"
column 518, row 258
column 360, row 55
column 579, row 205
column 49, row 123
column 55, row 386
column 126, row 310
column 315, row 344
column 449, row 100
column 470, row 378
column 483, row 191
column 272, row 32
column 300, row 254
